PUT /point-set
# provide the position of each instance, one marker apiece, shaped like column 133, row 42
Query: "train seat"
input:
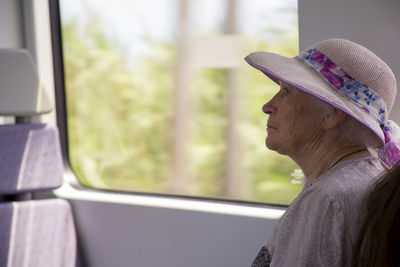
column 35, row 231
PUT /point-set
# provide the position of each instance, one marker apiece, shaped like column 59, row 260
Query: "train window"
column 160, row 100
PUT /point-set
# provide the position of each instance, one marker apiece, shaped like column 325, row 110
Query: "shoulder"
column 349, row 179
column 324, row 216
column 339, row 193
column 342, row 190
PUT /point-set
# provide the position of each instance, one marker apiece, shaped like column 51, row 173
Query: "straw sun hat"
column 346, row 75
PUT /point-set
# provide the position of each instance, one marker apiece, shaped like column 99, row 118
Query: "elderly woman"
column 331, row 111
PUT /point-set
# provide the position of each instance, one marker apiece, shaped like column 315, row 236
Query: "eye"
column 285, row 91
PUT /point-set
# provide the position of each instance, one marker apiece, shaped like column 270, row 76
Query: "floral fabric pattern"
column 360, row 94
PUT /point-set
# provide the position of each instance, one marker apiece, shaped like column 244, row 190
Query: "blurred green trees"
column 119, row 119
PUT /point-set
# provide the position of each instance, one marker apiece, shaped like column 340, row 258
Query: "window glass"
column 159, row 98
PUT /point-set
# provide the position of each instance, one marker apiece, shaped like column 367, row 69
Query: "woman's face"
column 295, row 120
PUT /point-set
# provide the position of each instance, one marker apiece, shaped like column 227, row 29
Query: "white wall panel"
column 121, row 235
column 11, row 24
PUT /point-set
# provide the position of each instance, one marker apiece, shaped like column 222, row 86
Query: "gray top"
column 321, row 225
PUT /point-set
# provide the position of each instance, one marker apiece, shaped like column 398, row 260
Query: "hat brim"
column 294, row 72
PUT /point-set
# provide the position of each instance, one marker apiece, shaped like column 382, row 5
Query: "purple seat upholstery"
column 30, row 158
column 33, row 232
column 6, row 214
column 37, row 233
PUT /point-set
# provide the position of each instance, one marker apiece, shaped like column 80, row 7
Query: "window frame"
column 62, row 119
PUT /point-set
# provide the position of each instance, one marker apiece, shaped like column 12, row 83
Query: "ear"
column 333, row 117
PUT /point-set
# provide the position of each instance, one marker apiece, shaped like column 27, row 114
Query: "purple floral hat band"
column 362, row 96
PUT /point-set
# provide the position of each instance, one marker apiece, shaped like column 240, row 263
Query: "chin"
column 275, row 147
column 271, row 145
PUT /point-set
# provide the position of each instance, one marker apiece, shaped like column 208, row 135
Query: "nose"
column 268, row 107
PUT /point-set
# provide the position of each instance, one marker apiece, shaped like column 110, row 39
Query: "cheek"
column 295, row 119
column 308, row 124
column 301, row 125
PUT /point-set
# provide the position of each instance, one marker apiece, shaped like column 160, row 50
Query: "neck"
column 315, row 162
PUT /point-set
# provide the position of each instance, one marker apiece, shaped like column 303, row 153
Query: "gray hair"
column 353, row 132
column 358, row 134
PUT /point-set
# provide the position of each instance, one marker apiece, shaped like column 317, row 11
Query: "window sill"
column 71, row 193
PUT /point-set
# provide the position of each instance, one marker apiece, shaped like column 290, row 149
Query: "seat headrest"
column 21, row 93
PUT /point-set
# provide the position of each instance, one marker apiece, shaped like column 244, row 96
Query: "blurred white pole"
column 232, row 164
column 180, row 159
